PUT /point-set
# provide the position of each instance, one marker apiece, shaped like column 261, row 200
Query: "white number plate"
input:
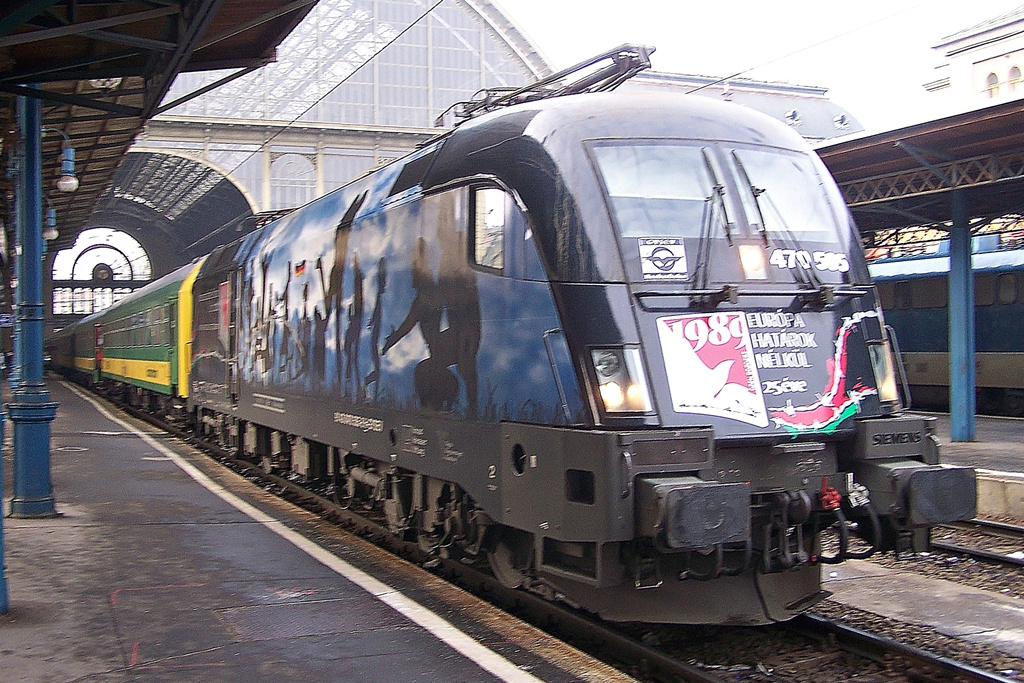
column 834, row 261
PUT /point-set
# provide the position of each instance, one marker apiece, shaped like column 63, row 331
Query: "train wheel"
column 511, row 557
column 339, row 481
column 428, row 543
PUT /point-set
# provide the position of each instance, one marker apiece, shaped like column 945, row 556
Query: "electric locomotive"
column 624, row 347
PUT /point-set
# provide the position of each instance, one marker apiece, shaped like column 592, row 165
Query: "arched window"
column 292, row 181
column 100, row 259
column 1014, row 79
column 992, row 86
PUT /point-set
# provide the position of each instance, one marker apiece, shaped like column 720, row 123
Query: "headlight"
column 885, row 372
column 752, row 260
column 621, row 380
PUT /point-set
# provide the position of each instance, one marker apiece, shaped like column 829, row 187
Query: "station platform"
column 997, row 453
column 162, row 565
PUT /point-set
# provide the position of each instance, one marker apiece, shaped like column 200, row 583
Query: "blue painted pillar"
column 961, row 323
column 5, row 605
column 31, row 410
column 14, row 372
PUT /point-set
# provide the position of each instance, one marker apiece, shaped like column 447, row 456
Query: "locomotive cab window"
column 687, row 212
column 489, row 210
column 656, row 187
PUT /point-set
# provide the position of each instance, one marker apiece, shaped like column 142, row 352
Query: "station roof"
column 102, row 69
column 905, row 177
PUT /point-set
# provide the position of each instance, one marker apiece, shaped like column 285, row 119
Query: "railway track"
column 926, row 666
column 625, row 648
column 1004, row 543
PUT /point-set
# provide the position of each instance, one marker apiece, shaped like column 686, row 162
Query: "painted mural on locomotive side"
column 378, row 303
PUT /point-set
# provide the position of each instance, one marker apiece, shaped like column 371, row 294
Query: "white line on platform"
column 487, row 659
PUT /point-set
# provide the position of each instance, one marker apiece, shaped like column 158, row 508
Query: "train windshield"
column 782, row 194
column 658, row 189
column 720, row 213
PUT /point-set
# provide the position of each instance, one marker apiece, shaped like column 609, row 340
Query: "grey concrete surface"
column 950, row 608
column 998, row 454
column 998, row 443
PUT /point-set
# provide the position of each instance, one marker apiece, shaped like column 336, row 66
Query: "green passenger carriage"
column 143, row 342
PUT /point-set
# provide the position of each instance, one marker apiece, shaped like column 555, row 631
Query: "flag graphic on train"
column 836, row 402
column 710, row 366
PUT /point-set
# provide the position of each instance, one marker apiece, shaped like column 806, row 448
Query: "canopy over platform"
column 954, row 174
column 103, row 69
column 905, row 177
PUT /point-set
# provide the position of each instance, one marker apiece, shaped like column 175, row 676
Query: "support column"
column 5, row 605
column 31, row 411
column 319, row 163
column 961, row 323
column 14, row 372
column 265, row 181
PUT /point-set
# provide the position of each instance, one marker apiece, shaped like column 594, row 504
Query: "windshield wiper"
column 757, row 192
column 700, row 272
column 707, row 220
column 718, row 195
column 805, row 274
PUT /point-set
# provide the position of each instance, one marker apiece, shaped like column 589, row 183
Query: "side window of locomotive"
column 929, row 292
column 887, row 294
column 1006, row 286
column 984, row 290
column 489, row 209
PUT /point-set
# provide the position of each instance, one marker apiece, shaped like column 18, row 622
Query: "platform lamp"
column 68, row 181
column 50, row 223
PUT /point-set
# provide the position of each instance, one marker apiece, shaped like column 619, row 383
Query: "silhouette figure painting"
column 375, row 325
column 335, row 288
column 447, row 311
column 352, row 332
column 436, row 387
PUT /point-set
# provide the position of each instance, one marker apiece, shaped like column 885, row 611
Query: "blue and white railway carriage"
column 625, row 345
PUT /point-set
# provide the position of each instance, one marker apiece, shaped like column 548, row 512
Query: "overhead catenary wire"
column 320, row 99
column 826, row 41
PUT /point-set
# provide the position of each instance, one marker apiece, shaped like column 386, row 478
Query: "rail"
column 1011, row 531
column 879, row 647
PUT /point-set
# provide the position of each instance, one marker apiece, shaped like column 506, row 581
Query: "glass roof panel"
column 324, row 71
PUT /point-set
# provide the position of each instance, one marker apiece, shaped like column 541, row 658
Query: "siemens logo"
column 895, row 437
